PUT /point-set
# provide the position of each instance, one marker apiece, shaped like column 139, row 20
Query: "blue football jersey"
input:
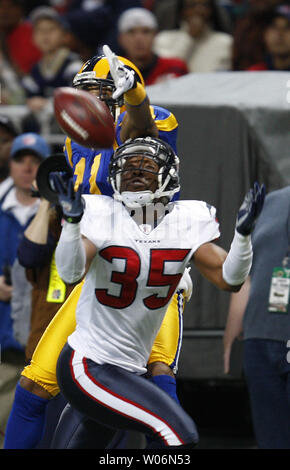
column 91, row 166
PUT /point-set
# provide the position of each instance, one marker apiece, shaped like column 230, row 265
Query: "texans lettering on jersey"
column 91, row 166
column 133, row 277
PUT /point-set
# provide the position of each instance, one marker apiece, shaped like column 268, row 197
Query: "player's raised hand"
column 124, row 79
column 250, row 209
column 71, row 202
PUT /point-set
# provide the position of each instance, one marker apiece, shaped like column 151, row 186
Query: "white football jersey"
column 133, row 276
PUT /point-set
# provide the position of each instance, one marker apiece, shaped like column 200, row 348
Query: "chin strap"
column 133, row 200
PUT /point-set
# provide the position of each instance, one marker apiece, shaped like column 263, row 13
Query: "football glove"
column 71, row 202
column 250, row 209
column 124, row 78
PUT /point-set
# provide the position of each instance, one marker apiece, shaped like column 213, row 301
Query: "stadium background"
column 233, row 131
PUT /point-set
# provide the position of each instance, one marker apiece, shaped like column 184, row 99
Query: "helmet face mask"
column 104, row 89
column 95, row 73
column 167, row 174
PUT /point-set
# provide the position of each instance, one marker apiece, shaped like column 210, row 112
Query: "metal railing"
column 44, row 118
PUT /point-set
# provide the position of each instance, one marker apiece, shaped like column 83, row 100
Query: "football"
column 84, row 118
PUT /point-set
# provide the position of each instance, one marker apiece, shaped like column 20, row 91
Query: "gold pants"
column 42, row 369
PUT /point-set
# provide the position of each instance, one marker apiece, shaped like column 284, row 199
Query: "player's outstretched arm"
column 234, row 323
column 228, row 271
column 138, row 121
column 74, row 253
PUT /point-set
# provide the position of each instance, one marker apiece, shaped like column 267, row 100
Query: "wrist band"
column 135, row 96
column 70, row 255
column 56, row 287
column 238, row 262
column 71, row 231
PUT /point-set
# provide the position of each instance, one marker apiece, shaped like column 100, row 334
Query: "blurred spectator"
column 10, row 82
column 7, row 134
column 200, row 41
column 79, row 38
column 49, row 292
column 29, row 5
column 235, row 8
column 137, row 29
column 248, row 43
column 36, row 254
column 61, row 6
column 277, row 41
column 17, row 207
column 93, row 22
column 167, row 12
column 17, row 45
column 58, row 64
column 259, row 313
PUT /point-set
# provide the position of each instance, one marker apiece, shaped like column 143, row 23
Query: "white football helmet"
column 167, row 176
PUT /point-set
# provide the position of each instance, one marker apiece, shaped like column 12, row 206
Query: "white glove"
column 185, row 284
column 124, row 79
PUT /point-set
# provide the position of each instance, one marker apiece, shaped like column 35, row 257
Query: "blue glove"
column 71, row 202
column 250, row 209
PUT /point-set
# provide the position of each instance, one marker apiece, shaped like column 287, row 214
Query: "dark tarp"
column 233, row 130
